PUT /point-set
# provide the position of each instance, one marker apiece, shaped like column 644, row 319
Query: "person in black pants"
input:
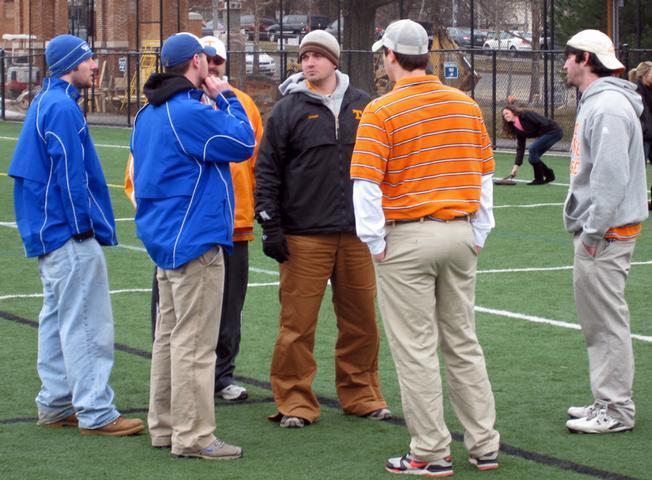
column 524, row 124
column 642, row 77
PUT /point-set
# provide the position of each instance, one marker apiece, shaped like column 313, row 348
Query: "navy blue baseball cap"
column 181, row 47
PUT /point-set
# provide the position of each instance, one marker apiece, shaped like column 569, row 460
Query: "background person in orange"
column 236, row 275
column 237, row 264
column 423, row 197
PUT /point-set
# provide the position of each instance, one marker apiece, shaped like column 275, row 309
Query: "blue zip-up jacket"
column 59, row 189
column 182, row 149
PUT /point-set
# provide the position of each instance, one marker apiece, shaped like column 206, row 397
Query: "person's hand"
column 478, row 249
column 274, row 243
column 379, row 257
column 213, row 86
column 590, row 249
column 514, row 170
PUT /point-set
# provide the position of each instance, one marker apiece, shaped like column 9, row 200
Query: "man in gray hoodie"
column 304, row 202
column 604, row 209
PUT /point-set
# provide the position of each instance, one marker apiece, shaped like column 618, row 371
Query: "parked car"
column 506, row 41
column 207, row 29
column 462, row 36
column 528, row 36
column 332, row 28
column 297, row 25
column 247, row 22
column 266, row 64
column 17, row 79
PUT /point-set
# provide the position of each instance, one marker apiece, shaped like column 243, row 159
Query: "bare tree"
column 535, row 89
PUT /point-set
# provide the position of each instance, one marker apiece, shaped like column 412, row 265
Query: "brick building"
column 122, row 24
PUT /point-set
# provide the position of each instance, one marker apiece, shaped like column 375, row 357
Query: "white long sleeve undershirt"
column 370, row 218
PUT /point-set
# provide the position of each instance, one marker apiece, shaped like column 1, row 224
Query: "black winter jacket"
column 646, row 116
column 302, row 170
column 534, row 125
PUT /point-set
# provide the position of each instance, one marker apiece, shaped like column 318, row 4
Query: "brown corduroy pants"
column 314, row 260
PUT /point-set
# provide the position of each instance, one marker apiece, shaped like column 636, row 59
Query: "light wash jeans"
column 75, row 336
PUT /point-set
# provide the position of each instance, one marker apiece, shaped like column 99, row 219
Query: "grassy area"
column 537, row 370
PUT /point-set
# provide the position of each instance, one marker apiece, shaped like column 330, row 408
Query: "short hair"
column 595, row 65
column 179, row 69
column 410, row 62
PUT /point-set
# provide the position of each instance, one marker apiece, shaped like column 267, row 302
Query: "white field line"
column 531, row 205
column 275, row 273
column 490, row 311
column 558, row 184
column 545, row 321
column 103, row 145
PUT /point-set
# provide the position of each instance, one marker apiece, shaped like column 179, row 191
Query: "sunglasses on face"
column 216, row 60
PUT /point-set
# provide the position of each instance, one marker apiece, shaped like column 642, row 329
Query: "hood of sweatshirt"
column 627, row 89
column 298, row 84
column 160, row 87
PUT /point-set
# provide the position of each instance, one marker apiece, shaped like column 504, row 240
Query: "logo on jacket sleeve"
column 357, row 113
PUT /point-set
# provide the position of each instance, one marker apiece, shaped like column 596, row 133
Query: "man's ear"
column 195, row 60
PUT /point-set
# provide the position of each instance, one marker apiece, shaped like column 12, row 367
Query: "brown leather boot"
column 120, row 427
column 70, row 421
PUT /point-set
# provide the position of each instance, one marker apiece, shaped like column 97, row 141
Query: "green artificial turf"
column 537, row 370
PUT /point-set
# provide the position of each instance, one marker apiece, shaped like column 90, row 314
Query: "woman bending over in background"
column 524, row 124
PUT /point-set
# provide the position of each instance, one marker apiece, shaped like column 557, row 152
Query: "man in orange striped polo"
column 422, row 170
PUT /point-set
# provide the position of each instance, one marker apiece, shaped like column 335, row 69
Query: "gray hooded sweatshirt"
column 608, row 184
column 297, row 84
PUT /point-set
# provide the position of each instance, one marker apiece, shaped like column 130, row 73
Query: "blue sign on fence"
column 451, row 71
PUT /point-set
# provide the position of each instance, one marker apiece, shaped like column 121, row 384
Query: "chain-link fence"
column 534, row 80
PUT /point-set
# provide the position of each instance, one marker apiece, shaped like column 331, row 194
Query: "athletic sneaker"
column 288, row 421
column 410, row 466
column 598, row 421
column 233, row 393
column 218, row 450
column 381, row 414
column 486, row 462
column 581, row 412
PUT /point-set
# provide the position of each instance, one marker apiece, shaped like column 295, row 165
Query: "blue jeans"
column 75, row 336
column 542, row 144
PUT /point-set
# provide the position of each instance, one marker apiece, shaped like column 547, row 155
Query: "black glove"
column 274, row 244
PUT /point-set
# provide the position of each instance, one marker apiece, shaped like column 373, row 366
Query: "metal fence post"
column 625, row 56
column 128, row 89
column 3, row 80
column 494, row 78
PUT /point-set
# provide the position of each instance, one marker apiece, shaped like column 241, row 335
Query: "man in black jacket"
column 304, row 204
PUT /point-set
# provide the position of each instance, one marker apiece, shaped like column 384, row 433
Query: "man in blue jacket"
column 184, row 217
column 64, row 214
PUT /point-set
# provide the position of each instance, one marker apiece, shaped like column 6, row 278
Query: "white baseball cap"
column 404, row 36
column 594, row 41
column 216, row 43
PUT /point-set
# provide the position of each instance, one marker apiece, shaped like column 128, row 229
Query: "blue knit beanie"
column 64, row 52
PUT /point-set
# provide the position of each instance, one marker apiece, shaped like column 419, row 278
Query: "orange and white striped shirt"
column 427, row 147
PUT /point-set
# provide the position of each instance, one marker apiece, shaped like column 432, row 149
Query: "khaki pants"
column 314, row 259
column 181, row 402
column 426, row 288
column 599, row 286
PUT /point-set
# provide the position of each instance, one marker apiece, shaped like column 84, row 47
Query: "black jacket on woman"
column 646, row 116
column 534, row 125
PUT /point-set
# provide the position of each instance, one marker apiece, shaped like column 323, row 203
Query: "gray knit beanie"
column 322, row 42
